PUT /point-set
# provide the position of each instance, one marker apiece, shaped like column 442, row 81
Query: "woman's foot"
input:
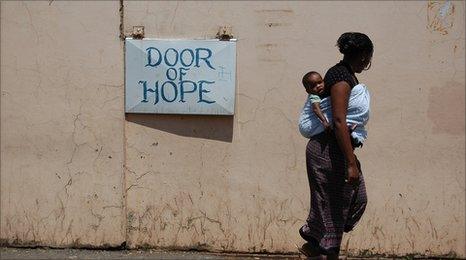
column 307, row 250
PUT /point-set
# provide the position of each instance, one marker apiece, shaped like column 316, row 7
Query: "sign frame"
column 199, row 81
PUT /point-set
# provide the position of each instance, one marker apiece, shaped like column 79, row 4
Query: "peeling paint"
column 440, row 16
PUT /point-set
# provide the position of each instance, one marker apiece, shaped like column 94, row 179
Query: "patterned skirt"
column 336, row 206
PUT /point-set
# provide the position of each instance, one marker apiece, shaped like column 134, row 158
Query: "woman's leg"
column 330, row 197
column 332, row 257
column 313, row 226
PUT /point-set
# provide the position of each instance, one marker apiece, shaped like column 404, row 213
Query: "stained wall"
column 62, row 124
column 95, row 176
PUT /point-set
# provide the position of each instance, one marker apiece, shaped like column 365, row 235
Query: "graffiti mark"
column 440, row 16
column 223, row 74
column 275, row 24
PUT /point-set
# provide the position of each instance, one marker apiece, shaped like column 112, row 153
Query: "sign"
column 180, row 76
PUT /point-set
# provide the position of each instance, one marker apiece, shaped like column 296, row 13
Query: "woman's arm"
column 339, row 95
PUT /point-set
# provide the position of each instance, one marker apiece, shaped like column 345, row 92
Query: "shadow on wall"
column 218, row 128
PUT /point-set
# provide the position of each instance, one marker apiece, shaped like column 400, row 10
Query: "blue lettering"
column 200, row 84
column 149, row 57
column 183, row 62
column 166, row 57
column 145, row 90
column 175, row 90
column 182, row 73
column 206, row 59
column 168, row 74
column 183, row 91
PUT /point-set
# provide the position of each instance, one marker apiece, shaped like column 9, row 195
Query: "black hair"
column 306, row 81
column 354, row 43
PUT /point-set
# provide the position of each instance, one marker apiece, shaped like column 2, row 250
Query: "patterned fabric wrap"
column 336, row 206
column 358, row 113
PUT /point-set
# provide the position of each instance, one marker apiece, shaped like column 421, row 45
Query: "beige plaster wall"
column 61, row 124
column 71, row 161
column 239, row 183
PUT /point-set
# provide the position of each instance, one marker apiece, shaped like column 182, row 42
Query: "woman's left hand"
column 353, row 175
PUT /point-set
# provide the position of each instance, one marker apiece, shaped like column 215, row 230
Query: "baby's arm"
column 318, row 112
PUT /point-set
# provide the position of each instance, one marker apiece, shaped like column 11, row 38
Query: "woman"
column 338, row 193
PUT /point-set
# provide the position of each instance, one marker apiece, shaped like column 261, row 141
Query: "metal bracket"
column 138, row 32
column 224, row 33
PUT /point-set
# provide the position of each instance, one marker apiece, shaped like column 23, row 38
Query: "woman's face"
column 363, row 62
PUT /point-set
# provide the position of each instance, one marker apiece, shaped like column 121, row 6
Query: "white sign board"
column 180, row 76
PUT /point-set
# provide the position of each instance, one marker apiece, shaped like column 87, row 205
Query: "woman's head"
column 357, row 49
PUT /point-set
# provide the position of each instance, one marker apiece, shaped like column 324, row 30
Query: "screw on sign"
column 138, row 32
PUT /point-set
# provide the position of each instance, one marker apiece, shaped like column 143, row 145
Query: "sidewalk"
column 44, row 253
column 14, row 253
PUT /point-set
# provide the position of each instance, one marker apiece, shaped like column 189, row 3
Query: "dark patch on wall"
column 267, row 45
column 276, row 24
column 446, row 108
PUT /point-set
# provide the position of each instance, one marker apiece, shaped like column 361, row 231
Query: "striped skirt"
column 336, row 206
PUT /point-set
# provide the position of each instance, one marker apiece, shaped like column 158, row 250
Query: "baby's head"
column 313, row 83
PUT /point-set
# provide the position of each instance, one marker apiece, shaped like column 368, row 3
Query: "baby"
column 358, row 110
column 314, row 85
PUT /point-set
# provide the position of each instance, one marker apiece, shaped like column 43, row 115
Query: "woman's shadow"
column 215, row 127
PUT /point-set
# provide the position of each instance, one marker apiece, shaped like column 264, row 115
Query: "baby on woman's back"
column 316, row 116
column 314, row 85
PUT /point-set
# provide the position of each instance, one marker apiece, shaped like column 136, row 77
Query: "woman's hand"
column 353, row 174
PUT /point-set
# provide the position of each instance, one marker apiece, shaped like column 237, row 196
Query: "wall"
column 61, row 124
column 227, row 183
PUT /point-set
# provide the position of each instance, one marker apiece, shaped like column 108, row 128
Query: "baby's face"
column 317, row 84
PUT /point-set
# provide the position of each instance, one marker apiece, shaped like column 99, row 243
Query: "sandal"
column 308, row 252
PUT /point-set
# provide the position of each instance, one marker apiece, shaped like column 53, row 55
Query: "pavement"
column 49, row 253
column 19, row 253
